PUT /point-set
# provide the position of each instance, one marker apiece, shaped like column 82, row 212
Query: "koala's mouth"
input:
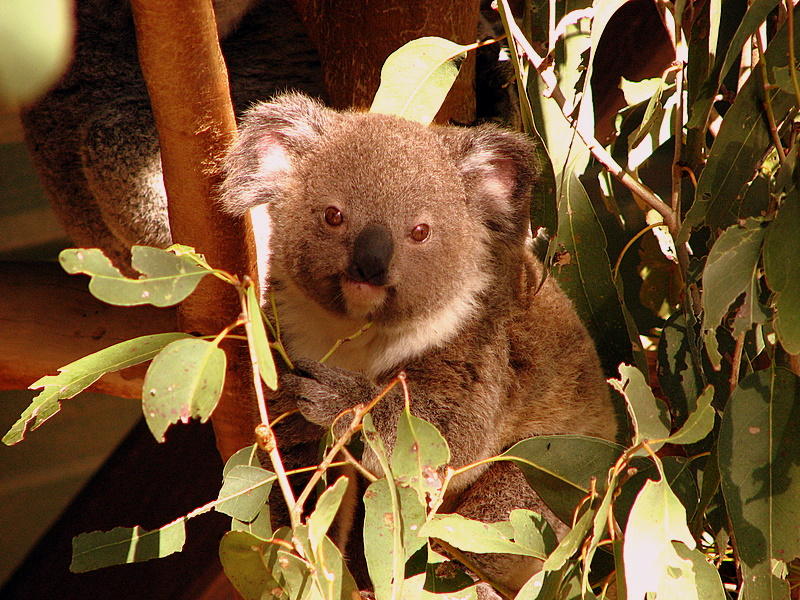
column 362, row 300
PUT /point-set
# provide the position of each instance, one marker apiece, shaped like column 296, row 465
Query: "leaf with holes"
column 419, row 452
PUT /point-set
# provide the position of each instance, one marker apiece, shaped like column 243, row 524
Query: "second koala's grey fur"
column 93, row 138
column 424, row 232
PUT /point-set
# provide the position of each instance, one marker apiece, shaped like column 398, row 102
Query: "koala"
column 424, row 232
column 93, row 137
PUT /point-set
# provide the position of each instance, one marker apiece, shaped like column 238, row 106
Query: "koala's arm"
column 449, row 394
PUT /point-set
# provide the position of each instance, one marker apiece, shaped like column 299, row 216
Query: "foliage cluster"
column 707, row 485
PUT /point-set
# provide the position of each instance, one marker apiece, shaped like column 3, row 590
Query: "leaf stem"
column 341, row 341
column 766, row 101
column 631, row 242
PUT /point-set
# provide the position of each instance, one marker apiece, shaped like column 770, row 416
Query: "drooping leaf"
column 741, row 143
column 330, row 573
column 586, row 277
column 656, row 526
column 419, row 451
column 649, row 415
column 730, row 268
column 679, row 374
column 244, row 491
column 782, row 270
column 700, row 422
column 761, row 484
column 416, row 78
column 391, row 533
column 560, row 467
column 167, row 278
column 266, row 364
column 320, row 520
column 79, row 375
column 124, row 545
column 241, row 555
column 184, row 381
column 35, row 45
column 474, row 536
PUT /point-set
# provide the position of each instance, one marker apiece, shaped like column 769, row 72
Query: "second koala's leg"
column 122, row 165
column 499, row 490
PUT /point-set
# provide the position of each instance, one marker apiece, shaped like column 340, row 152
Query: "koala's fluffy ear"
column 498, row 169
column 272, row 136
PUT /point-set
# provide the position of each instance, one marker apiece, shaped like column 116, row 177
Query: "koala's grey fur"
column 93, row 139
column 489, row 359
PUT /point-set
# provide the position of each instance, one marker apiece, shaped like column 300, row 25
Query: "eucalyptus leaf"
column 244, row 491
column 266, row 363
column 419, row 451
column 700, row 422
column 184, row 381
column 246, row 456
column 782, row 270
column 570, row 543
column 243, row 557
column 729, row 271
column 416, row 78
column 331, row 578
column 560, row 467
column 320, row 520
column 123, row 545
column 649, row 415
column 762, row 484
column 260, row 527
column 167, row 278
column 474, row 536
column 80, row 374
column 679, row 374
column 35, row 47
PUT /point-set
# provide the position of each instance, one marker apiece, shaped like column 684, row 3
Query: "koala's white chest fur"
column 310, row 331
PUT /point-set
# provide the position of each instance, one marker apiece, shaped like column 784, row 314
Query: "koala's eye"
column 421, row 232
column 333, row 216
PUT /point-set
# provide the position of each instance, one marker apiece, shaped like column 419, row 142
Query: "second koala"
column 424, row 232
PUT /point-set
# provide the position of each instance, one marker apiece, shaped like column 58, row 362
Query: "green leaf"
column 320, row 520
column 585, row 275
column 741, row 143
column 243, row 561
column 247, row 456
column 416, row 77
column 184, row 381
column 260, row 527
column 679, row 373
column 782, row 270
column 35, row 47
column 244, row 491
column 419, row 451
column 474, row 536
column 649, row 415
column 532, row 530
column 79, row 375
column 266, row 364
column 560, row 467
column 570, row 543
column 330, row 574
column 391, row 534
column 123, row 545
column 167, row 278
column 700, row 422
column 758, row 446
column 730, row 269
column 656, row 520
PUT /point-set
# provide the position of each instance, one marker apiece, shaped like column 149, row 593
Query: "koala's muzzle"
column 372, row 253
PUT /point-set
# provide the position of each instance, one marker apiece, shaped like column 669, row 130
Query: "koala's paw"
column 323, row 392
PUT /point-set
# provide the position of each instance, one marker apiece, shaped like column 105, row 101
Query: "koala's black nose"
column 372, row 253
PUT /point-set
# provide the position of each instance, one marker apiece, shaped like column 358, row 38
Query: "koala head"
column 375, row 217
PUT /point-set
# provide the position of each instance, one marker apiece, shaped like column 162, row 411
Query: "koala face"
column 375, row 223
column 375, row 217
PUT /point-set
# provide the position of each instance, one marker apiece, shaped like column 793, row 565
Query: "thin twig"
column 631, row 242
column 767, row 102
column 736, row 361
column 341, row 341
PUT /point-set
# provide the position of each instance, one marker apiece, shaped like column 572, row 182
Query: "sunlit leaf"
column 570, row 543
column 560, row 467
column 184, row 381
column 244, row 491
column 167, row 278
column 700, row 422
column 415, row 78
column 77, row 376
column 320, row 520
column 35, row 45
column 266, row 364
column 474, row 536
column 419, row 451
column 758, row 446
column 649, row 415
column 124, row 545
